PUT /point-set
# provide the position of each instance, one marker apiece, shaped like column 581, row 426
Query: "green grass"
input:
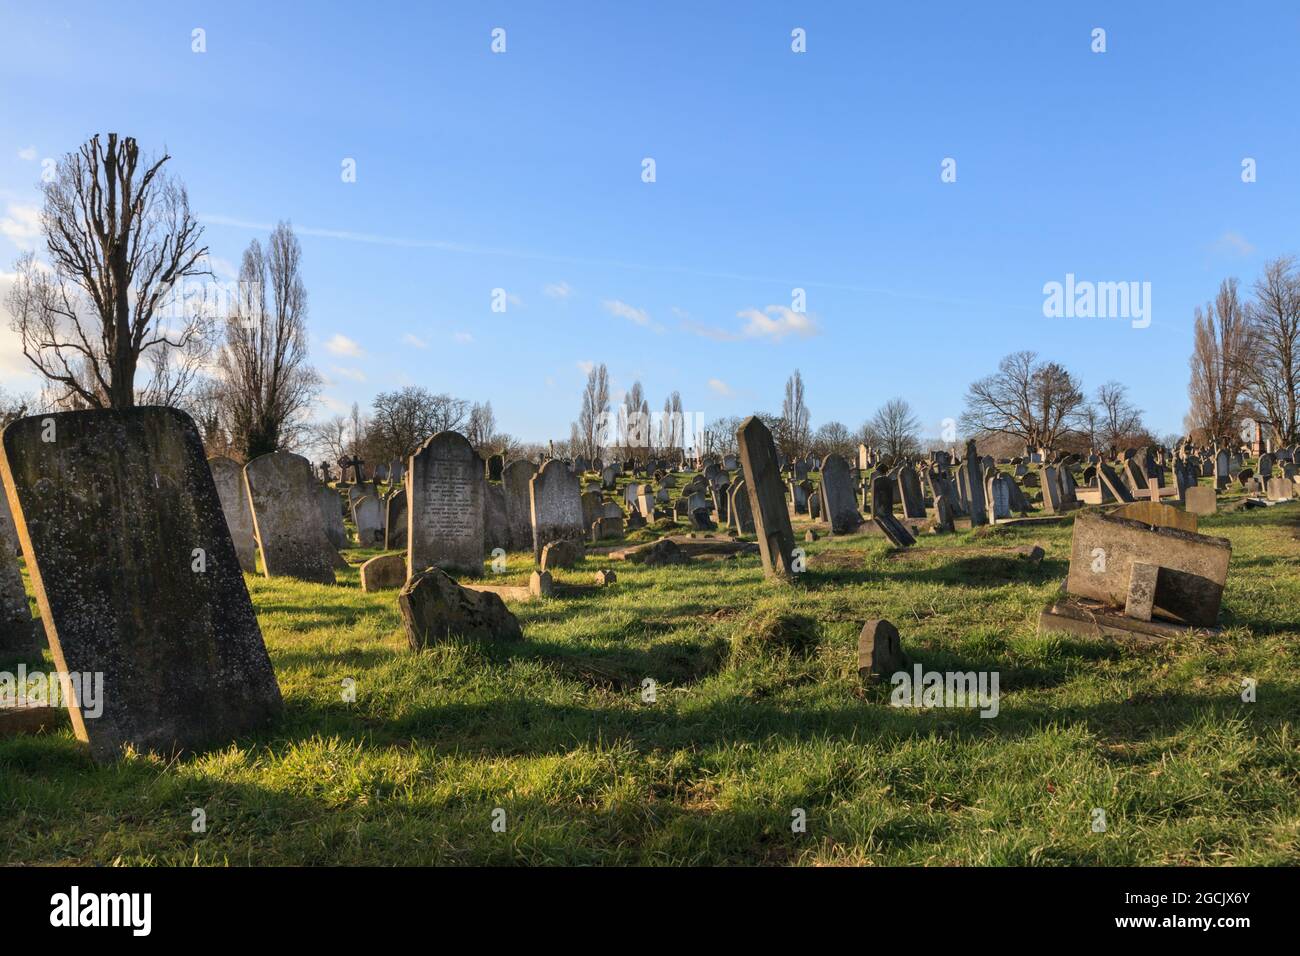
column 759, row 711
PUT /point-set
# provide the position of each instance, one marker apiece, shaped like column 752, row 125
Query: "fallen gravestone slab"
column 1193, row 567
column 435, row 608
column 138, row 580
column 882, row 512
column 561, row 554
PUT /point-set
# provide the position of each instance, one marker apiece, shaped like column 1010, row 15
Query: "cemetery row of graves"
column 645, row 660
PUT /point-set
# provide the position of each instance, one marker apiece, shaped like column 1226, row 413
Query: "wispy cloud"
column 464, row 338
column 27, row 154
column 557, row 290
column 772, row 323
column 355, row 374
column 719, row 386
column 586, row 367
column 630, row 312
column 342, row 345
column 1234, row 244
column 415, row 341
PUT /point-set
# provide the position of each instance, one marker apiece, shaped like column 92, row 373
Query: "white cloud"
column 27, row 154
column 1234, row 244
column 719, row 386
column 21, row 225
column 776, row 322
column 557, row 290
column 773, row 323
column 625, row 311
column 342, row 345
column 355, row 374
column 586, row 367
column 415, row 341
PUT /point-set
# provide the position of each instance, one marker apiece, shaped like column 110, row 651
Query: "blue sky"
column 774, row 171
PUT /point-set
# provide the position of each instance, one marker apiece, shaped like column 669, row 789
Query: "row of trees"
column 1245, row 362
column 629, row 428
column 399, row 422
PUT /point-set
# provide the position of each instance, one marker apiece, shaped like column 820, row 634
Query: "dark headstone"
column 435, row 608
column 766, row 497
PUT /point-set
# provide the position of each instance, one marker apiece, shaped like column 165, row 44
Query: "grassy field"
column 759, row 712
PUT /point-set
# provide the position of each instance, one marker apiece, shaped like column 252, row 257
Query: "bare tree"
column 120, row 236
column 481, row 428
column 1038, row 403
column 267, row 385
column 896, row 429
column 402, row 420
column 1271, row 358
column 794, row 435
column 833, row 438
column 634, row 421
column 672, row 427
column 1218, row 367
column 330, row 437
column 1114, row 421
column 593, row 417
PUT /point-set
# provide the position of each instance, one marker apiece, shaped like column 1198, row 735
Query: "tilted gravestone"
column 882, row 512
column 228, row 476
column 767, row 507
column 445, row 506
column 515, row 478
column 909, row 493
column 838, row 498
column 137, row 578
column 287, row 519
column 555, row 506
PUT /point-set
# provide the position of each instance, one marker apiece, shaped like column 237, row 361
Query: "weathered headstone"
column 555, row 506
column 882, row 512
column 395, row 520
column 767, row 506
column 515, row 478
column 435, row 608
column 383, row 572
column 975, row 486
column 368, row 516
column 137, row 578
column 838, row 497
column 496, row 523
column 741, row 513
column 445, row 506
column 909, row 492
column 1193, row 567
column 331, row 514
column 287, row 519
column 228, row 476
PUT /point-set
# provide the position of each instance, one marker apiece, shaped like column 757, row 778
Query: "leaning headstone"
column 943, row 516
column 767, row 505
column 435, row 608
column 445, row 506
column 555, row 505
column 228, row 476
column 515, row 477
column 1158, row 515
column 882, row 512
column 838, row 497
column 1111, row 485
column 138, row 580
column 287, row 520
